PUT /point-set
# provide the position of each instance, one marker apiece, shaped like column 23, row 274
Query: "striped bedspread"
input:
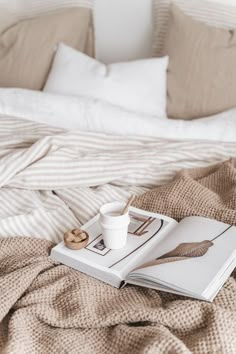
column 53, row 180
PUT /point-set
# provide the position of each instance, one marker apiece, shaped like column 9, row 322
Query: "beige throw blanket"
column 50, row 308
column 209, row 192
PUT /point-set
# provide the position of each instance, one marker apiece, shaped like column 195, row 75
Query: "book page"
column 145, row 230
column 213, row 244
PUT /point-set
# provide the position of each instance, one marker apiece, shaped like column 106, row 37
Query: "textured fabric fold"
column 58, row 309
column 209, row 192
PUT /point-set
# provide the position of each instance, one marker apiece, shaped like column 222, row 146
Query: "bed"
column 63, row 155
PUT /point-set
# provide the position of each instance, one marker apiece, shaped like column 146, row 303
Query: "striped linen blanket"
column 52, row 180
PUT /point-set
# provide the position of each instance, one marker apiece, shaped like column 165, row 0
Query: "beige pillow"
column 201, row 78
column 13, row 11
column 217, row 13
column 27, row 48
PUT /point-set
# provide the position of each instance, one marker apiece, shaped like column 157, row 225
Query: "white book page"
column 145, row 230
column 192, row 275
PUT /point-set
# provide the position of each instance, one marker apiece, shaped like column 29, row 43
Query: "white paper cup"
column 114, row 226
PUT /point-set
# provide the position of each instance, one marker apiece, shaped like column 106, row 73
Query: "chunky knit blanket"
column 46, row 307
column 209, row 192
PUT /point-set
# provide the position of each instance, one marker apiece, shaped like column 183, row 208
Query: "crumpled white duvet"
column 95, row 116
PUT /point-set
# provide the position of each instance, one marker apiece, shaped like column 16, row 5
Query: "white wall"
column 123, row 29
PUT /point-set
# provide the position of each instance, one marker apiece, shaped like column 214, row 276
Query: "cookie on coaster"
column 76, row 239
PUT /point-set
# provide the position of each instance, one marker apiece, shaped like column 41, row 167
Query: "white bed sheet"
column 95, row 116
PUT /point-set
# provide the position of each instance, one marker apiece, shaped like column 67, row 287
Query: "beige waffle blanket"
column 49, row 308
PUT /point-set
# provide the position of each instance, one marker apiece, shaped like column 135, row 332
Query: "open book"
column 192, row 258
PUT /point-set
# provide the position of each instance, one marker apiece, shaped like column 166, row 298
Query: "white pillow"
column 217, row 13
column 138, row 86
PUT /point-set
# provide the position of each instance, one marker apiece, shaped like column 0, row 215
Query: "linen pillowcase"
column 201, row 79
column 138, row 86
column 27, row 48
column 12, row 12
column 217, row 13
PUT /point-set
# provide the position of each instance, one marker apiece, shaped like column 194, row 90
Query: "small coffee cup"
column 114, row 225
